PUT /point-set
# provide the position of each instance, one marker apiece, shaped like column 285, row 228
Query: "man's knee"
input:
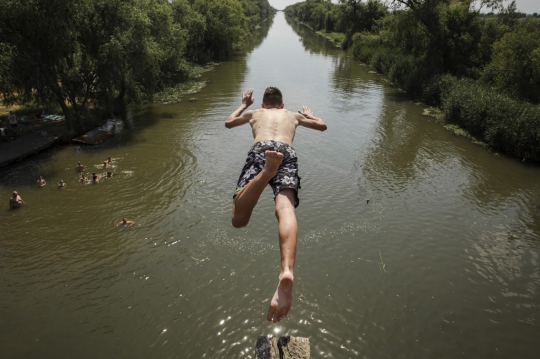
column 238, row 222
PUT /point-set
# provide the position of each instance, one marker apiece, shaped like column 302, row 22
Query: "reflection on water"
column 455, row 226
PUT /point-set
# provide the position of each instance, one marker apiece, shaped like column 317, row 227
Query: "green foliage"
column 349, row 17
column 505, row 124
column 107, row 54
column 515, row 66
column 336, row 37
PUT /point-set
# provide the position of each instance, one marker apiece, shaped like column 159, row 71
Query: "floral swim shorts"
column 287, row 173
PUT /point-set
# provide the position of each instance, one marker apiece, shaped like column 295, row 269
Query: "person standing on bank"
column 272, row 160
column 12, row 119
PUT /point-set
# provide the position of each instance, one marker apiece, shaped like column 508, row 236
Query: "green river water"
column 442, row 261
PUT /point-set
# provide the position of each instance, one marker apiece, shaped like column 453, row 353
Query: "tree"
column 108, row 54
column 515, row 67
column 89, row 52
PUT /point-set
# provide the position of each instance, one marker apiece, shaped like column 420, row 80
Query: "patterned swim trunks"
column 287, row 173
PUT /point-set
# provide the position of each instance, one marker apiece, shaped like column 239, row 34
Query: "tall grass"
column 505, row 124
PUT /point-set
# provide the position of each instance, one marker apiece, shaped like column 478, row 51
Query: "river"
column 413, row 242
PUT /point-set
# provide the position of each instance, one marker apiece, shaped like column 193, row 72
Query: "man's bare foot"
column 282, row 300
column 273, row 160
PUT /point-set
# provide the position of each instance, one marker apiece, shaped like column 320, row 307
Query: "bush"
column 505, row 124
column 515, row 66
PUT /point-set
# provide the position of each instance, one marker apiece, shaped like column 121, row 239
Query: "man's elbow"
column 323, row 127
column 228, row 124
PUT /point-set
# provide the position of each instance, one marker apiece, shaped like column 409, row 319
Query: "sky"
column 526, row 6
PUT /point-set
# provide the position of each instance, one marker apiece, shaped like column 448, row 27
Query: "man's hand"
column 309, row 120
column 236, row 118
column 306, row 112
column 247, row 98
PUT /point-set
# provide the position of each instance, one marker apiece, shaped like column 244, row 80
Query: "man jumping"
column 272, row 160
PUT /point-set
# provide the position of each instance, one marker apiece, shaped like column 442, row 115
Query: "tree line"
column 82, row 54
column 482, row 71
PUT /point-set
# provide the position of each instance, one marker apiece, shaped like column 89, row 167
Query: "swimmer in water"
column 62, row 184
column 41, row 182
column 80, row 167
column 109, row 160
column 15, row 201
column 125, row 223
column 95, row 178
column 109, row 174
column 104, row 164
column 84, row 179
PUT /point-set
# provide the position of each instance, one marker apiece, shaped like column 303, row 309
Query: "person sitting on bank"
column 95, row 178
column 84, row 179
column 15, row 201
column 41, row 182
column 80, row 167
column 125, row 223
column 12, row 120
column 62, row 184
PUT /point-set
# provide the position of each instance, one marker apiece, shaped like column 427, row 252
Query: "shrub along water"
column 510, row 126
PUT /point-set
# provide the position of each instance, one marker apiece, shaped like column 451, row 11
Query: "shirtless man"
column 62, row 184
column 95, row 177
column 41, row 182
column 80, row 167
column 272, row 160
column 15, row 201
column 84, row 179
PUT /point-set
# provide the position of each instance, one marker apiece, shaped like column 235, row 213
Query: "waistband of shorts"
column 280, row 143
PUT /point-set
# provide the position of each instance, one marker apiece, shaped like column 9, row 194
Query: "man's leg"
column 247, row 198
column 288, row 234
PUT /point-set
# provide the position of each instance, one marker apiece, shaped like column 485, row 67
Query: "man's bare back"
column 273, row 122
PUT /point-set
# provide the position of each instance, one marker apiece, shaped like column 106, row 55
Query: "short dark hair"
column 272, row 96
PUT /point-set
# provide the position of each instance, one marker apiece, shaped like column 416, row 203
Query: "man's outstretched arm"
column 236, row 118
column 307, row 119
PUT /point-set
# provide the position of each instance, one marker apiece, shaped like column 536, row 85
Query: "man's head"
column 272, row 98
column 15, row 194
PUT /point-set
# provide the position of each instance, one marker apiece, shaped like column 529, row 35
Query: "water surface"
column 413, row 242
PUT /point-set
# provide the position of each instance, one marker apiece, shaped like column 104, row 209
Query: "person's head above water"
column 272, row 98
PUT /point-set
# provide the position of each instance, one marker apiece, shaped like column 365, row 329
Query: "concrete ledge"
column 282, row 348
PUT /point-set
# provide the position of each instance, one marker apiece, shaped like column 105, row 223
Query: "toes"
column 271, row 316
